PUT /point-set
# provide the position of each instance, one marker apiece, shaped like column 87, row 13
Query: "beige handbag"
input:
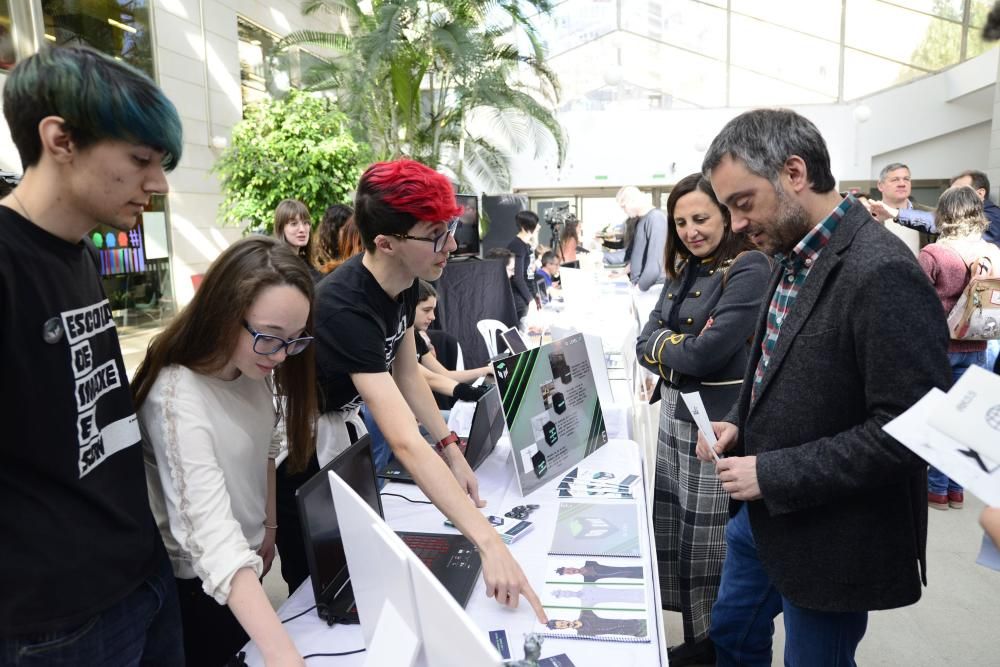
column 976, row 315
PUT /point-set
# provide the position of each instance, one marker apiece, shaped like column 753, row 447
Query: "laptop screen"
column 486, row 430
column 512, row 337
column 324, row 545
column 543, row 289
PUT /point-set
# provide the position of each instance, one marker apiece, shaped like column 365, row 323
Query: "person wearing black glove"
column 467, row 392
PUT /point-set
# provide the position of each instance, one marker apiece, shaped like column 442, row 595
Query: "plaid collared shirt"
column 795, row 269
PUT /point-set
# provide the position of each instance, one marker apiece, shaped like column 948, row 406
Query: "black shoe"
column 698, row 653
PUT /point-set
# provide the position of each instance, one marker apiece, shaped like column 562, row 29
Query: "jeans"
column 381, row 452
column 144, row 628
column 937, row 482
column 743, row 616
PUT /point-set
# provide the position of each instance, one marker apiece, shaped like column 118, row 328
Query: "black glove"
column 466, row 392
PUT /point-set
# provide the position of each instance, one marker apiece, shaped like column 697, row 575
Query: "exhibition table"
column 499, row 488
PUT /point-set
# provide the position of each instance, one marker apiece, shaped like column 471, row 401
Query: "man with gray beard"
column 829, row 513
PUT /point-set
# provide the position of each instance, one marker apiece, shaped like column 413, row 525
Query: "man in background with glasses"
column 365, row 353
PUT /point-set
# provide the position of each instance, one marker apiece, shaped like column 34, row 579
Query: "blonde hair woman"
column 961, row 224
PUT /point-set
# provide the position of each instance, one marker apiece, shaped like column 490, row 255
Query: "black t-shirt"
column 522, row 285
column 77, row 532
column 422, row 348
column 358, row 330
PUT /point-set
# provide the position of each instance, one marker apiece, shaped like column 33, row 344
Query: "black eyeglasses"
column 267, row 344
column 439, row 241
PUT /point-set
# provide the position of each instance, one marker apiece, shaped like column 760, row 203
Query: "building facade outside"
column 210, row 57
column 663, row 75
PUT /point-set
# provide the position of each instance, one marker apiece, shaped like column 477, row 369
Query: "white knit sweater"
column 206, row 444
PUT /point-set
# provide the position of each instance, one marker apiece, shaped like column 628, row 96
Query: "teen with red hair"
column 365, row 353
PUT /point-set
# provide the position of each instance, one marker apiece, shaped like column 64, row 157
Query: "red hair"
column 412, row 188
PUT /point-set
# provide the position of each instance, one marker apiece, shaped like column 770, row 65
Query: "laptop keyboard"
column 430, row 548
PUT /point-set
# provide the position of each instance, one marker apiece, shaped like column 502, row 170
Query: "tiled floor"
column 134, row 341
column 956, row 622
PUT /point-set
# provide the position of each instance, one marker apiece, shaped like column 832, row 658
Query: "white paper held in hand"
column 697, row 409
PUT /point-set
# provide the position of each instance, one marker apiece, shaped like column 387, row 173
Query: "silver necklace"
column 27, row 216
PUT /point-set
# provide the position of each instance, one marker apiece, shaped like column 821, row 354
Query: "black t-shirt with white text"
column 77, row 532
column 358, row 330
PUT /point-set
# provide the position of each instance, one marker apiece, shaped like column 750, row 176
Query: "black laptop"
column 485, row 432
column 453, row 559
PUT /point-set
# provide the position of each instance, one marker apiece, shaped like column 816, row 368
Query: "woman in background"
column 961, row 223
column 293, row 225
column 204, row 399
column 697, row 339
column 328, row 235
column 569, row 243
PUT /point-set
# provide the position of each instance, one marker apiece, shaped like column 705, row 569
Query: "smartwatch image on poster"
column 560, row 369
column 551, row 435
column 558, row 403
column 540, row 427
column 539, row 464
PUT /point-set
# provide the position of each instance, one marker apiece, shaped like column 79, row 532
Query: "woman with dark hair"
column 348, row 245
column 697, row 340
column 569, row 242
column 328, row 235
column 427, row 299
column 204, row 398
column 293, row 225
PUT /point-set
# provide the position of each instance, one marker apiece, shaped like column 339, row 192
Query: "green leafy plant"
column 442, row 82
column 299, row 147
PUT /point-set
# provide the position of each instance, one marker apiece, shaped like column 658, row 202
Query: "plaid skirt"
column 690, row 511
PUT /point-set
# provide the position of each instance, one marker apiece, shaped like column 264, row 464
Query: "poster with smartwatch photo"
column 552, row 409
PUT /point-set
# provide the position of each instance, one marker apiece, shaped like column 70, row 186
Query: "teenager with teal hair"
column 86, row 580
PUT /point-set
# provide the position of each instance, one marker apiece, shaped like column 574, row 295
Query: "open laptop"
column 543, row 289
column 453, row 559
column 484, row 433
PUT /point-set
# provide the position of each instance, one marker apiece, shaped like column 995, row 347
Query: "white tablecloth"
column 498, row 488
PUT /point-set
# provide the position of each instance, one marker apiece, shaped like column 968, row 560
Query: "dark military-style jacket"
column 704, row 345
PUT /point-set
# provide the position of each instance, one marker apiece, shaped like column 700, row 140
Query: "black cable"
column 409, row 500
column 332, row 655
column 303, row 613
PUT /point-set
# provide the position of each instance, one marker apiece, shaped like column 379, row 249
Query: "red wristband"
column 451, row 438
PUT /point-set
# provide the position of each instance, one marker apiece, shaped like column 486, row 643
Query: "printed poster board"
column 553, row 412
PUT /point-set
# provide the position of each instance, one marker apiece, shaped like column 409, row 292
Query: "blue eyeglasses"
column 439, row 241
column 267, row 344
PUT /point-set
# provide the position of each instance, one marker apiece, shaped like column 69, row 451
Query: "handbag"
column 976, row 315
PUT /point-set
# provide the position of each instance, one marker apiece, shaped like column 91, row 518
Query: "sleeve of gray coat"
column 891, row 376
column 652, row 261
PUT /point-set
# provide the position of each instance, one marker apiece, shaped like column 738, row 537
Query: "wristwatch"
column 451, row 438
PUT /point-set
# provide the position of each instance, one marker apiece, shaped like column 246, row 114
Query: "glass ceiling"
column 662, row 54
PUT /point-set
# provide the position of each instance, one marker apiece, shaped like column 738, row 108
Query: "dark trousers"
column 142, row 629
column 212, row 635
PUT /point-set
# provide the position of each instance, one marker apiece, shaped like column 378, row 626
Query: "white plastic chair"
column 489, row 329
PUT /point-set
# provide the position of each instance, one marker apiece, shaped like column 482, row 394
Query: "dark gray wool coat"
column 842, row 525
